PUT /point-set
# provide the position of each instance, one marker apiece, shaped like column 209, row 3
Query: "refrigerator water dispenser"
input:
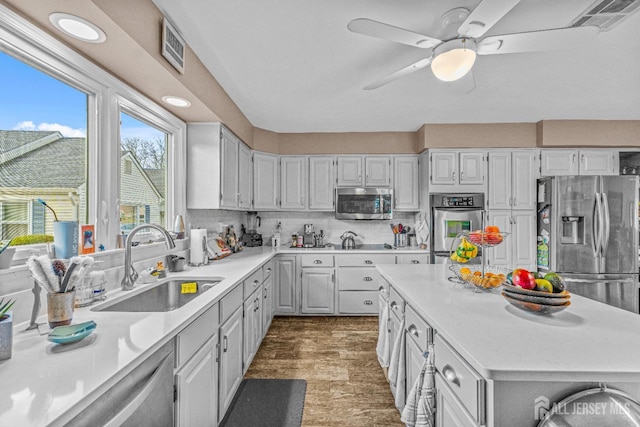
column 572, row 230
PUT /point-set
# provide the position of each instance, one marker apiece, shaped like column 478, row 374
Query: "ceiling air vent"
column 606, row 14
column 173, row 46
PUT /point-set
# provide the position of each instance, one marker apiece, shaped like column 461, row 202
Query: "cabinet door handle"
column 224, row 343
column 317, row 261
column 217, row 352
column 265, row 295
column 415, row 261
column 382, row 289
column 393, row 305
column 255, row 283
column 368, row 261
column 367, row 279
column 453, row 176
column 268, row 270
column 573, row 158
column 451, row 376
column 413, row 330
column 367, row 302
column 461, row 176
column 582, row 159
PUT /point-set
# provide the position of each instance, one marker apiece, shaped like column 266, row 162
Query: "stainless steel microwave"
column 364, row 203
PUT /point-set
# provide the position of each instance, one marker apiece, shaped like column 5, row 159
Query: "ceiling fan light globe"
column 453, row 64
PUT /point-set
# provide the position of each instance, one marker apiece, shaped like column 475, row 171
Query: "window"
column 143, row 177
column 43, row 150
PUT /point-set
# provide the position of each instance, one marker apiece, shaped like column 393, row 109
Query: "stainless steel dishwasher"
column 144, row 397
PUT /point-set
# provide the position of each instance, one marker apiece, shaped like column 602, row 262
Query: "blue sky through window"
column 32, row 100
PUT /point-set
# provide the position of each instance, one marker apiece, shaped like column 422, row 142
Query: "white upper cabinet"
column 293, row 182
column 350, row 171
column 266, row 179
column 218, row 165
column 512, row 179
column 579, row 162
column 321, row 183
column 457, row 170
column 377, row 171
column 406, row 183
column 229, row 171
column 245, row 177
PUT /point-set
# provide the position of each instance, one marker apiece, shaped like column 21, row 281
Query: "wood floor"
column 337, row 357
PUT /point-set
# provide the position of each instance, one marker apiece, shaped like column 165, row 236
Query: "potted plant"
column 6, row 253
column 6, row 329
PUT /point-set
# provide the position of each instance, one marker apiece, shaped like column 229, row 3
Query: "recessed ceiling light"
column 176, row 101
column 77, row 27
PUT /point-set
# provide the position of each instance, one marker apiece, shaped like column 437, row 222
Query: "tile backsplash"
column 373, row 231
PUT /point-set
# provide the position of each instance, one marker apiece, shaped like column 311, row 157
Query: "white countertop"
column 47, row 384
column 44, row 383
column 588, row 341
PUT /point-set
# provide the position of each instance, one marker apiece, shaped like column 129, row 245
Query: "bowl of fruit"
column 535, row 293
column 491, row 236
column 491, row 278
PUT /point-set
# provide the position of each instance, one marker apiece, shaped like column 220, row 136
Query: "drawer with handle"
column 316, row 260
column 267, row 269
column 418, row 329
column 413, row 259
column 465, row 383
column 358, row 302
column 358, row 279
column 252, row 283
column 365, row 260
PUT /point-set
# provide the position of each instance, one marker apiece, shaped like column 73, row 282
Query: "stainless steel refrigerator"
column 588, row 232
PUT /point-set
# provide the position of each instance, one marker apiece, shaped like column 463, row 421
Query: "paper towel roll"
column 198, row 254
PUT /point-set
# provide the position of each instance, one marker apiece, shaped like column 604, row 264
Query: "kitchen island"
column 523, row 360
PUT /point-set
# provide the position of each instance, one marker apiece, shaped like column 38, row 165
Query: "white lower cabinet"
column 252, row 322
column 318, row 291
column 285, row 285
column 197, row 385
column 196, row 375
column 267, row 303
column 230, row 360
column 450, row 412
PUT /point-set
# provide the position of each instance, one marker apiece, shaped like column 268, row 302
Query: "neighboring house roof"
column 143, row 171
column 157, row 176
column 41, row 160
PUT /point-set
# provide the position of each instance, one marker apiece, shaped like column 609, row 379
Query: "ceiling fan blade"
column 561, row 38
column 372, row 28
column 400, row 73
column 485, row 16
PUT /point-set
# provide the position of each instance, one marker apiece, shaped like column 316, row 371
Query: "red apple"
column 523, row 278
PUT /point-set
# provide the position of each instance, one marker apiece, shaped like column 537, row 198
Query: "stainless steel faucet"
column 130, row 273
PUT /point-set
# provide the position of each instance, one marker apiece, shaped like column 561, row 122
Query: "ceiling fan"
column 452, row 58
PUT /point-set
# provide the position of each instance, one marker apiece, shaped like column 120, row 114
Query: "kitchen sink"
column 164, row 296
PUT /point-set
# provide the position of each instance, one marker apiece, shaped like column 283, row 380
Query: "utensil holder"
column 60, row 308
column 400, row 240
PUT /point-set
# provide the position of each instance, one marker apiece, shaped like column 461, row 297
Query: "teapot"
column 348, row 242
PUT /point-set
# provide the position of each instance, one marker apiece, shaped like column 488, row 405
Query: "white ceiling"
column 292, row 65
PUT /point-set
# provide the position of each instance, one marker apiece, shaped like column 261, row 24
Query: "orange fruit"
column 492, row 229
column 477, row 273
column 489, row 274
column 465, row 271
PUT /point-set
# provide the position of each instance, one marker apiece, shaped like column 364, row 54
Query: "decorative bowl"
column 536, row 299
column 535, row 308
column 518, row 290
column 71, row 333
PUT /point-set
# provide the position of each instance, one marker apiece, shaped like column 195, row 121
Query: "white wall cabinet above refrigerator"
column 512, row 179
column 458, row 170
column 218, row 168
column 579, row 162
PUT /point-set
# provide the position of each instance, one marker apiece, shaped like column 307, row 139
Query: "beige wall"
column 593, row 133
column 338, row 143
column 477, row 135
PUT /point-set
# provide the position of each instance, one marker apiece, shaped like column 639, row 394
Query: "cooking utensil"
column 348, row 242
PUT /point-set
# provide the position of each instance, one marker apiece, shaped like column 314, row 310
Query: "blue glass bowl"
column 71, row 333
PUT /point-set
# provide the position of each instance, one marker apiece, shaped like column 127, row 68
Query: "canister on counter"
column 300, row 242
column 294, row 240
